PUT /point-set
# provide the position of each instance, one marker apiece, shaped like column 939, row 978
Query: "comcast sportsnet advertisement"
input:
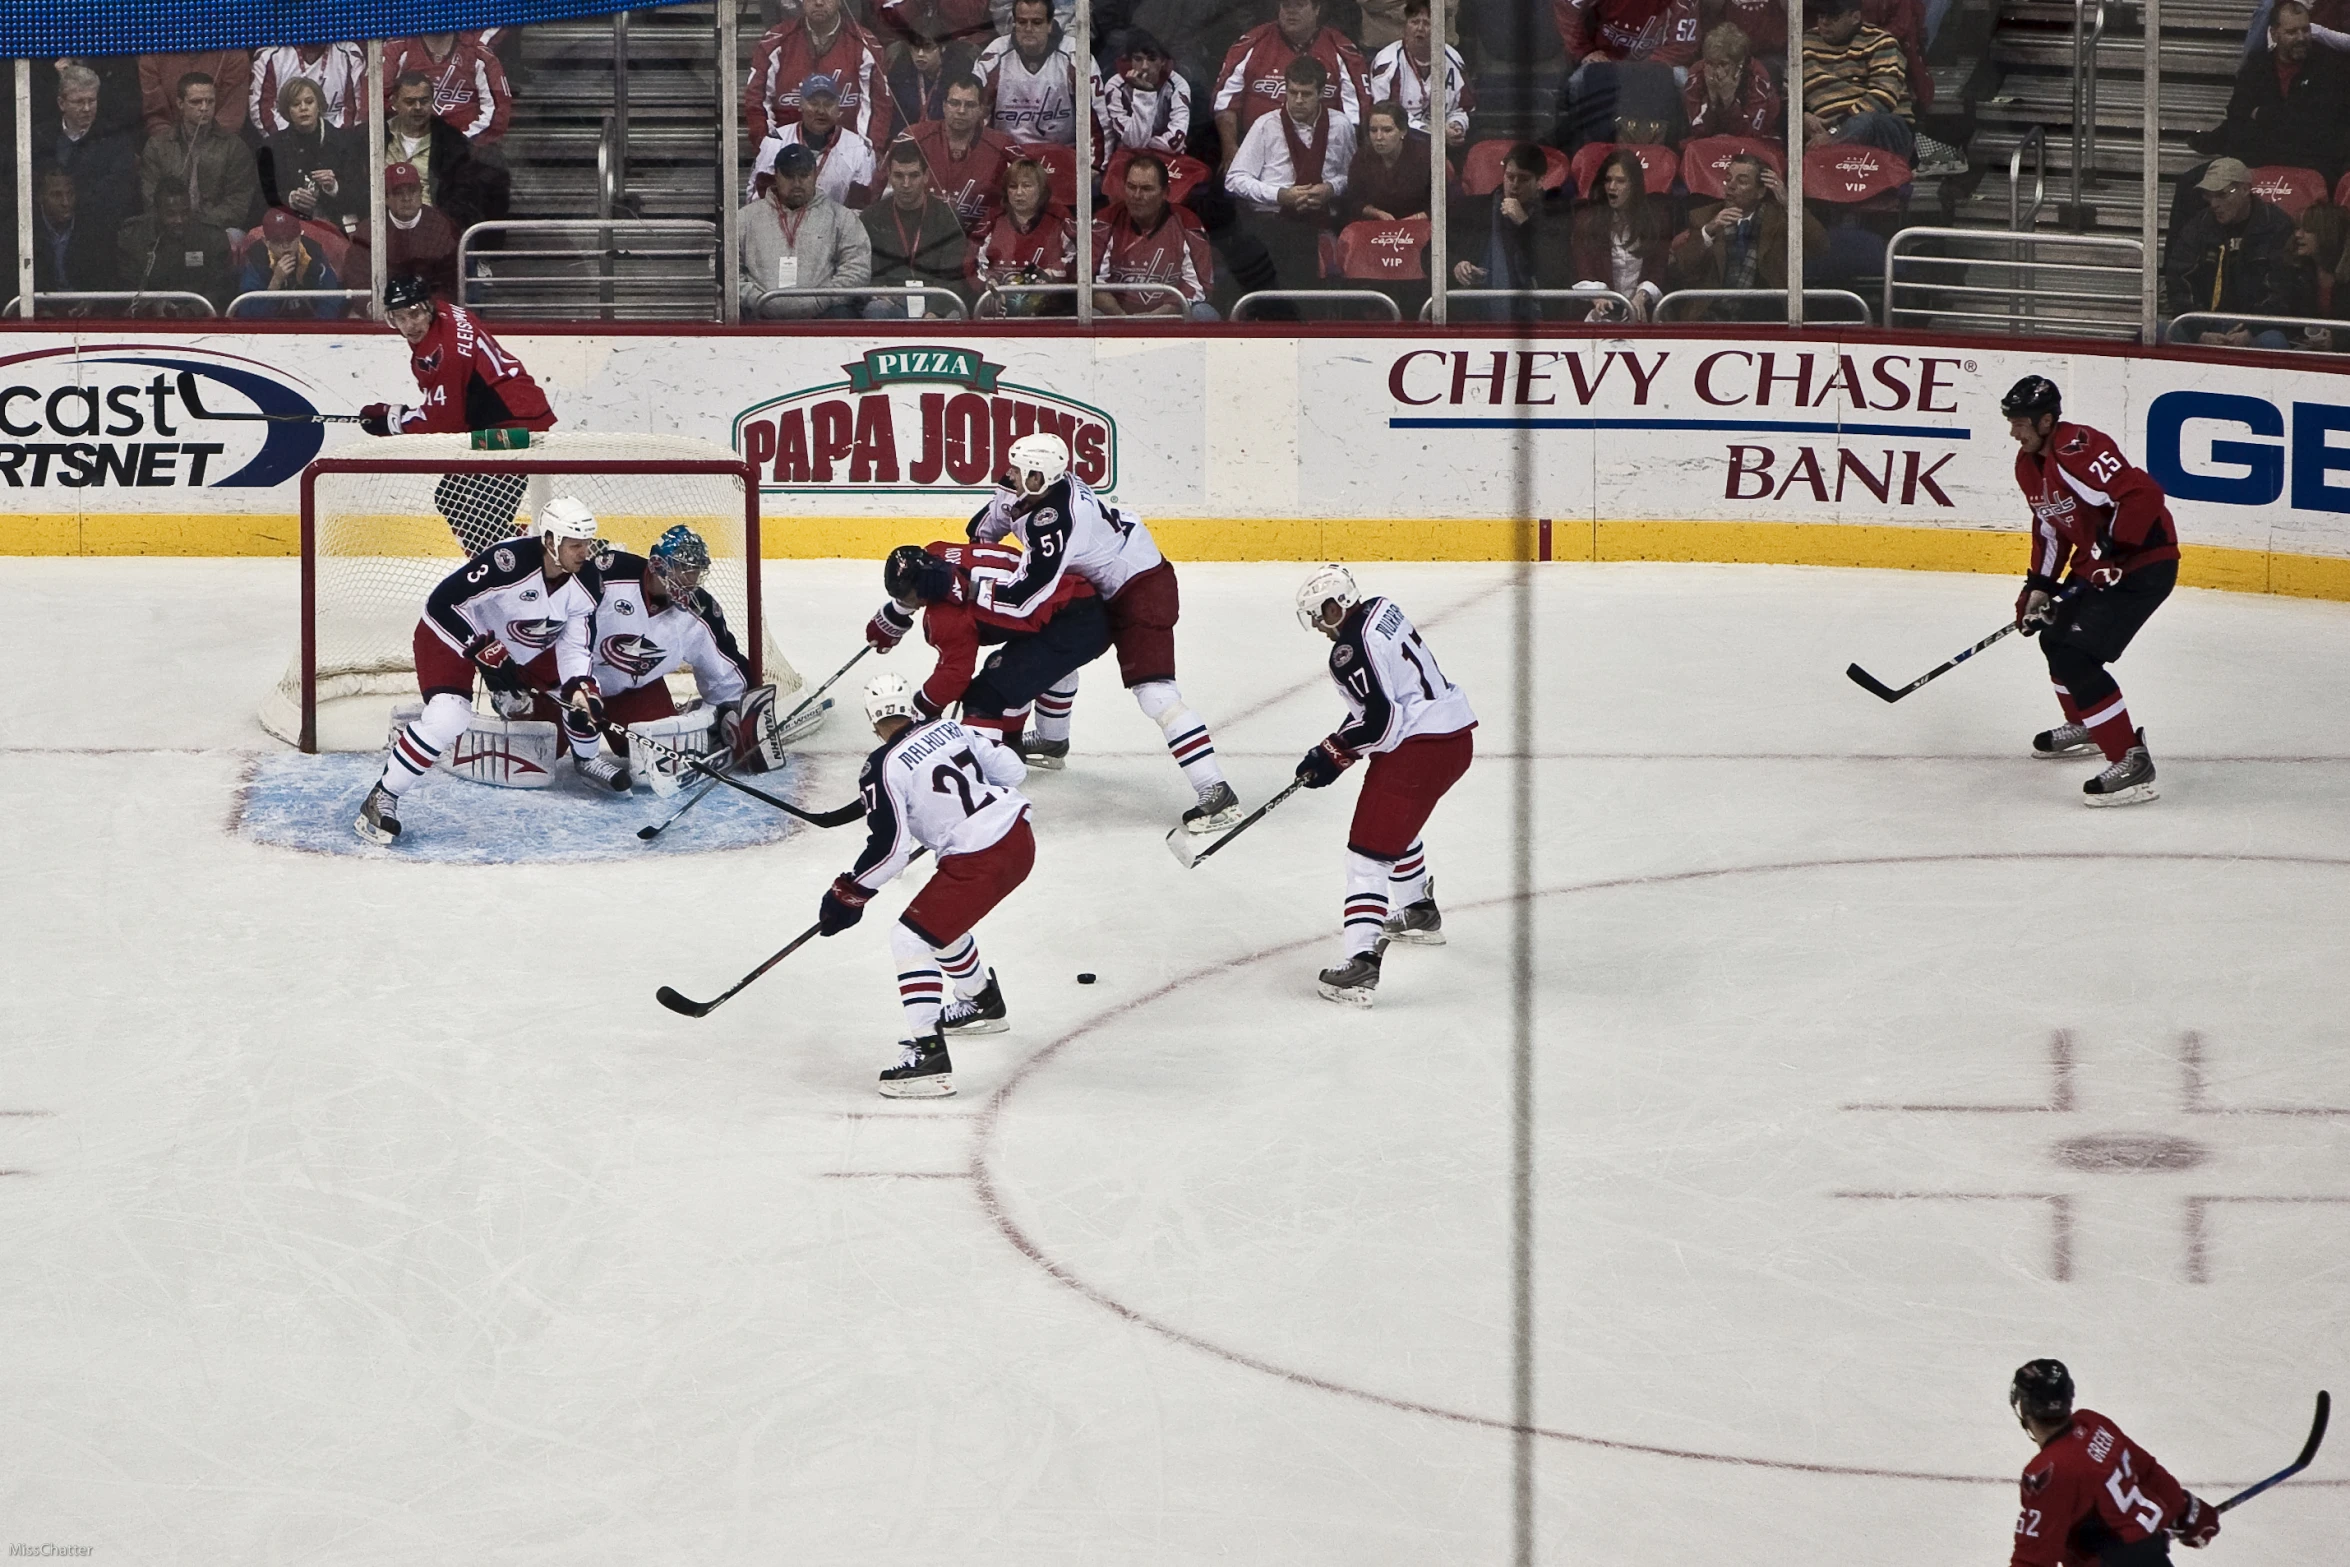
column 915, row 420
column 156, row 416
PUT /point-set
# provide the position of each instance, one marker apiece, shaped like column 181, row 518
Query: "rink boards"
column 1475, row 444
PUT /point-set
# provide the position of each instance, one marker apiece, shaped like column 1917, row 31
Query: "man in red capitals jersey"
column 468, row 383
column 967, row 159
column 1066, row 530
column 2092, row 1498
column 1046, row 631
column 1414, row 725
column 521, row 614
column 1148, row 239
column 934, row 784
column 1251, row 84
column 2105, row 554
column 818, row 39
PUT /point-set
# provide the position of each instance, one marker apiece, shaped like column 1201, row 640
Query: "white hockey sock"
column 960, row 961
column 1052, row 710
column 921, row 989
column 1366, row 901
column 1188, row 740
column 1407, row 878
column 420, row 743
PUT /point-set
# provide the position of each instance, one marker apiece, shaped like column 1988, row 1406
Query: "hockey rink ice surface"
column 361, row 1211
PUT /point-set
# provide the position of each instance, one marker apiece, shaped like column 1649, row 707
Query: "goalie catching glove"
column 843, row 905
column 1320, row 767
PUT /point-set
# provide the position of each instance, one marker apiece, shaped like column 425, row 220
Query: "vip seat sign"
column 915, row 420
column 110, row 417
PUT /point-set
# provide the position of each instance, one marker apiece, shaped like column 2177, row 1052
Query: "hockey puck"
column 1085, row 979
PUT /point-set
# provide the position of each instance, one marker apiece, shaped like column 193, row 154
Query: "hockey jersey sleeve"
column 1360, row 682
column 992, row 521
column 721, row 672
column 952, row 630
column 2095, row 470
column 1028, row 587
column 890, row 841
column 999, row 764
column 445, row 606
column 575, row 646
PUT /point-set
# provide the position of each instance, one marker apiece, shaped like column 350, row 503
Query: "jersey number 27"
column 946, row 779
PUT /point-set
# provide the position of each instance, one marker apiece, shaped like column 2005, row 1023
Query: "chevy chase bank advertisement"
column 1245, row 446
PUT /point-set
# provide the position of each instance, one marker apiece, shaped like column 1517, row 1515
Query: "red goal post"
column 380, row 532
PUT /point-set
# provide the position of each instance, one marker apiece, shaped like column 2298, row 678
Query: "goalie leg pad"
column 511, row 754
column 658, row 747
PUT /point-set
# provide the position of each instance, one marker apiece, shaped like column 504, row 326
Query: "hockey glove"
column 2198, row 1525
column 2105, row 577
column 1320, row 767
column 2035, row 610
column 378, row 418
column 843, row 905
column 929, row 708
column 888, row 627
column 582, row 692
column 487, row 651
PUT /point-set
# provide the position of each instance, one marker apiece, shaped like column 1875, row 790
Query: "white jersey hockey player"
column 933, row 784
column 520, row 615
column 1063, row 526
column 1415, row 725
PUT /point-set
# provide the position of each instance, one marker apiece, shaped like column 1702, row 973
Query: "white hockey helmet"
column 567, row 517
column 1332, row 584
column 1037, row 462
column 890, row 696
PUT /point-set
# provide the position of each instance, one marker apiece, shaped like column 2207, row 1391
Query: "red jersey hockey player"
column 468, row 383
column 1065, row 530
column 2101, row 526
column 2092, row 1498
column 1414, row 725
column 933, row 784
column 969, row 594
column 520, row 614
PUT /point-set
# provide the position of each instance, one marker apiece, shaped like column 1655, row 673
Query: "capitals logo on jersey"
column 637, row 656
column 534, row 633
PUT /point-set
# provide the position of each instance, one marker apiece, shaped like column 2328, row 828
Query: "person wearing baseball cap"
column 845, row 166
column 286, row 261
column 423, row 238
column 2231, row 256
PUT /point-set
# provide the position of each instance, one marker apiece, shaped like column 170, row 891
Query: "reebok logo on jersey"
column 632, row 654
column 533, row 633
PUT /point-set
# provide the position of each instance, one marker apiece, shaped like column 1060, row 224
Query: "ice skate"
column 379, row 816
column 1353, row 981
column 1420, row 924
column 1051, row 755
column 2129, row 781
column 609, row 771
column 980, row 1014
column 1218, row 809
column 923, row 1071
column 2062, row 741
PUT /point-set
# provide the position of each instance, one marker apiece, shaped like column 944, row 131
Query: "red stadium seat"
column 1703, row 160
column 1389, row 252
column 1060, row 169
column 1481, row 175
column 1658, row 163
column 1846, row 174
column 2293, row 190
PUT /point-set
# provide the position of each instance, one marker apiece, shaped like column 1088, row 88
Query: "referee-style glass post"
column 2150, row 175
column 730, row 204
column 1081, row 106
column 24, row 188
column 1439, row 105
column 379, row 221
column 1795, row 20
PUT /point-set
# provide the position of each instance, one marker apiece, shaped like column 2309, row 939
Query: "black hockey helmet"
column 912, row 575
column 404, row 291
column 2042, row 1391
column 2029, row 398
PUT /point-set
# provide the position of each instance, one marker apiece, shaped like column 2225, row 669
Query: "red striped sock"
column 2111, row 728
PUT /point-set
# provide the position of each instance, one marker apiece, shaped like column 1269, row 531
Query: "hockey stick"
column 197, row 408
column 1187, row 857
column 691, row 1008
column 2317, row 1434
column 785, row 722
column 840, row 816
column 1877, row 688
column 648, row 834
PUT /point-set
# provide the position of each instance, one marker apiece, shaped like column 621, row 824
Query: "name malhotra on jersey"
column 916, row 419
column 113, row 418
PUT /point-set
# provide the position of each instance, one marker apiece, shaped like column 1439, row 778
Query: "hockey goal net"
column 379, row 532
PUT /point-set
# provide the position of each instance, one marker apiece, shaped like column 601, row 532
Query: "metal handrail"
column 611, row 240
column 2018, row 217
column 1339, row 296
column 129, row 295
column 2085, row 42
column 607, row 188
column 924, row 291
column 996, row 291
column 2232, row 318
column 345, row 294
column 1589, row 296
column 1664, row 306
column 2023, row 295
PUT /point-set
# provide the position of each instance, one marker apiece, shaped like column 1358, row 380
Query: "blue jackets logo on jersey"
column 632, row 654
column 534, row 633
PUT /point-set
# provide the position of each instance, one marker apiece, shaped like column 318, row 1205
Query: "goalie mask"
column 912, row 575
column 1037, row 462
column 1330, row 585
column 679, row 560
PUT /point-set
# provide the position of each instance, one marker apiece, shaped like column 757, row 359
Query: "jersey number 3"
column 945, row 779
